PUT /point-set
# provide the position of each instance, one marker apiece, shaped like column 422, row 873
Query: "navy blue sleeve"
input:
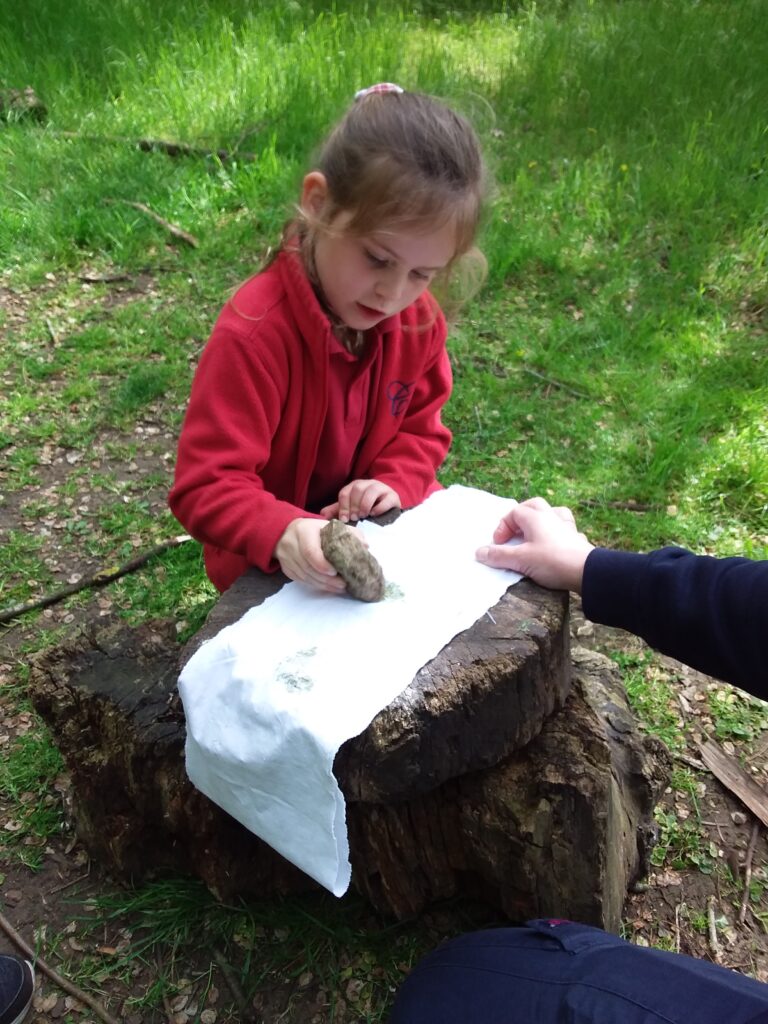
column 711, row 613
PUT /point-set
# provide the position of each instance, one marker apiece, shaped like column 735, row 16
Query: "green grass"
column 682, row 844
column 27, row 773
column 736, row 716
column 653, row 697
column 291, row 943
column 683, row 841
column 617, row 353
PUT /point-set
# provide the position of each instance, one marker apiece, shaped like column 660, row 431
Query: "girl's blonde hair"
column 401, row 159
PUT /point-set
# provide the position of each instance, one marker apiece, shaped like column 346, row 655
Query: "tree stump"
column 484, row 695
column 560, row 828
column 447, row 790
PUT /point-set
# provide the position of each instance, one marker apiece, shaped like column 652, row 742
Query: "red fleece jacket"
column 259, row 400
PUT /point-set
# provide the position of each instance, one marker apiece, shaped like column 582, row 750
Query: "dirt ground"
column 687, row 909
column 679, row 909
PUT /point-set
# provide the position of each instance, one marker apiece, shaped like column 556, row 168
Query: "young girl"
column 319, row 392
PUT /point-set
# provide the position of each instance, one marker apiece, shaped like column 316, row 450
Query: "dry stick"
column 714, row 944
column 678, row 908
column 748, row 870
column 246, row 1014
column 99, row 579
column 55, row 977
column 71, row 882
column 164, row 146
column 103, row 278
column 555, row 383
column 95, row 278
column 699, row 766
column 172, row 229
column 592, row 503
column 52, row 332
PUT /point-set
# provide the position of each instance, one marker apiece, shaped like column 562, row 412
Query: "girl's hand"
column 301, row 558
column 360, row 499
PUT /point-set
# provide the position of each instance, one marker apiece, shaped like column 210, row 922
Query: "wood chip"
column 727, row 770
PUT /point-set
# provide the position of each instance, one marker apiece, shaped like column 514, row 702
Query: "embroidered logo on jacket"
column 398, row 393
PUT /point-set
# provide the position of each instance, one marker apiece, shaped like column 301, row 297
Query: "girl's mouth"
column 374, row 314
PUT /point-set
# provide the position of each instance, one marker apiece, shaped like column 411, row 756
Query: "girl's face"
column 366, row 279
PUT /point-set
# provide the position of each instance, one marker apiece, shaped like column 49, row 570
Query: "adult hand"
column 360, row 499
column 301, row 557
column 552, row 552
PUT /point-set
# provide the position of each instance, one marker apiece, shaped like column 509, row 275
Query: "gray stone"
column 353, row 561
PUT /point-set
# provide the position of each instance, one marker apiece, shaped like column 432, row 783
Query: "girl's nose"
column 388, row 288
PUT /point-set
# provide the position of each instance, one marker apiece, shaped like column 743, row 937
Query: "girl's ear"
column 314, row 192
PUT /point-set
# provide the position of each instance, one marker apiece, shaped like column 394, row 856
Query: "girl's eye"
column 421, row 276
column 375, row 261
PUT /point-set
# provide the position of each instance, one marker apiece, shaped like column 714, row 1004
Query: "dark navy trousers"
column 558, row 972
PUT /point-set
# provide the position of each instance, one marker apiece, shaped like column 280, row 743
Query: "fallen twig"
column 624, row 506
column 55, row 977
column 99, row 579
column 93, row 277
column 748, row 871
column 89, row 278
column 555, row 383
column 173, row 149
column 52, row 331
column 246, row 1013
column 714, row 943
column 678, row 909
column 698, row 766
column 172, row 229
column 71, row 882
column 685, row 706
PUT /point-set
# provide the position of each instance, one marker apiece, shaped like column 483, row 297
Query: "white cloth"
column 270, row 699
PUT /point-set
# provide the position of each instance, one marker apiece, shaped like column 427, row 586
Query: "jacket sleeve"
column 711, row 613
column 410, row 460
column 225, row 443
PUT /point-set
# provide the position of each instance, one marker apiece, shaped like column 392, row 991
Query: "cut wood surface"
column 485, row 694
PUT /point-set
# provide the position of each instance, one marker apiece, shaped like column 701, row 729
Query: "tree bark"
column 560, row 828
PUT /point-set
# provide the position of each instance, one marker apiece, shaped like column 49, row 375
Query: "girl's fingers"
column 333, row 584
column 369, row 499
